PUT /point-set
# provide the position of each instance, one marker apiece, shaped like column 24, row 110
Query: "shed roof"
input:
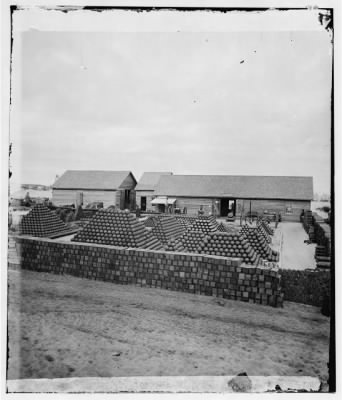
column 255, row 187
column 149, row 180
column 98, row 180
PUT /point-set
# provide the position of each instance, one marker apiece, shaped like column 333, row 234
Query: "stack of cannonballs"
column 265, row 226
column 307, row 220
column 42, row 222
column 205, row 224
column 229, row 245
column 257, row 240
column 166, row 228
column 261, row 229
column 151, row 221
column 185, row 221
column 221, row 228
column 118, row 228
column 192, row 239
column 174, row 244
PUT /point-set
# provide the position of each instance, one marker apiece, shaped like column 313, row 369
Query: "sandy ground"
column 63, row 326
column 295, row 254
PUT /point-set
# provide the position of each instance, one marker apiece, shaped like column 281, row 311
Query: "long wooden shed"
column 110, row 187
column 223, row 194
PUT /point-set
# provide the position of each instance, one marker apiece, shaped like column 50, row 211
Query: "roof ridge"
column 239, row 176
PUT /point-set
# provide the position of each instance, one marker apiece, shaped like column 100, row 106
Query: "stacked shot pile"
column 266, row 226
column 262, row 229
column 174, row 244
column 229, row 245
column 167, row 228
column 221, row 228
column 205, row 224
column 185, row 221
column 308, row 224
column 257, row 240
column 151, row 221
column 118, row 228
column 42, row 222
column 191, row 241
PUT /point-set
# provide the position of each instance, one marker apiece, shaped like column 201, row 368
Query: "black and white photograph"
column 169, row 197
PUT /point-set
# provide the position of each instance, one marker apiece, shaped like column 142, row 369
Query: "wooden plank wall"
column 193, row 204
column 62, row 197
column 276, row 205
column 149, row 197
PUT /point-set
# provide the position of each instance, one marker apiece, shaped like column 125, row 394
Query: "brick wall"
column 307, row 287
column 208, row 275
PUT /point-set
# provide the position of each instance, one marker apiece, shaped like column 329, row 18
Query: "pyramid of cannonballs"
column 174, row 244
column 118, row 228
column 221, row 228
column 229, row 245
column 185, row 221
column 167, row 228
column 205, row 224
column 151, row 221
column 257, row 240
column 192, row 239
column 265, row 227
column 42, row 222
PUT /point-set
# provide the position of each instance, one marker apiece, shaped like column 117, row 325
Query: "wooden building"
column 110, row 187
column 145, row 189
column 223, row 194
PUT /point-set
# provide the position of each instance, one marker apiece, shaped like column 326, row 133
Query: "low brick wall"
column 200, row 274
column 307, row 287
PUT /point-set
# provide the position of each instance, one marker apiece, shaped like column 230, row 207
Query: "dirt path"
column 62, row 326
column 295, row 253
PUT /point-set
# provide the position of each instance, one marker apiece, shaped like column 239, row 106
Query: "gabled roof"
column 254, row 187
column 100, row 180
column 149, row 180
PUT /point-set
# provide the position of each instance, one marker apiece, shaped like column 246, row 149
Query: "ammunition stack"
column 229, row 245
column 257, row 240
column 167, row 228
column 117, row 228
column 205, row 224
column 308, row 224
column 191, row 240
column 174, row 245
column 323, row 239
column 221, row 228
column 42, row 222
column 151, row 221
column 185, row 220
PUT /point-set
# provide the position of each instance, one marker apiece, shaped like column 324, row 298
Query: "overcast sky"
column 249, row 103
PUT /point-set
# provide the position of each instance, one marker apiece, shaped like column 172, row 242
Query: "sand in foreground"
column 63, row 326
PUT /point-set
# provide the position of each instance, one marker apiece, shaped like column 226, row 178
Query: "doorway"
column 228, row 207
column 224, row 207
column 143, row 204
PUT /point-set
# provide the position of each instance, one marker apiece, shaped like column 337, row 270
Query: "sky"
column 188, row 101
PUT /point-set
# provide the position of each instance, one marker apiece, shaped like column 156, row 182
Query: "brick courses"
column 200, row 274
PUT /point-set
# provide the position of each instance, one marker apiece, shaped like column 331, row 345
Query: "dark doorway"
column 127, row 199
column 228, row 207
column 224, row 207
column 143, row 203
